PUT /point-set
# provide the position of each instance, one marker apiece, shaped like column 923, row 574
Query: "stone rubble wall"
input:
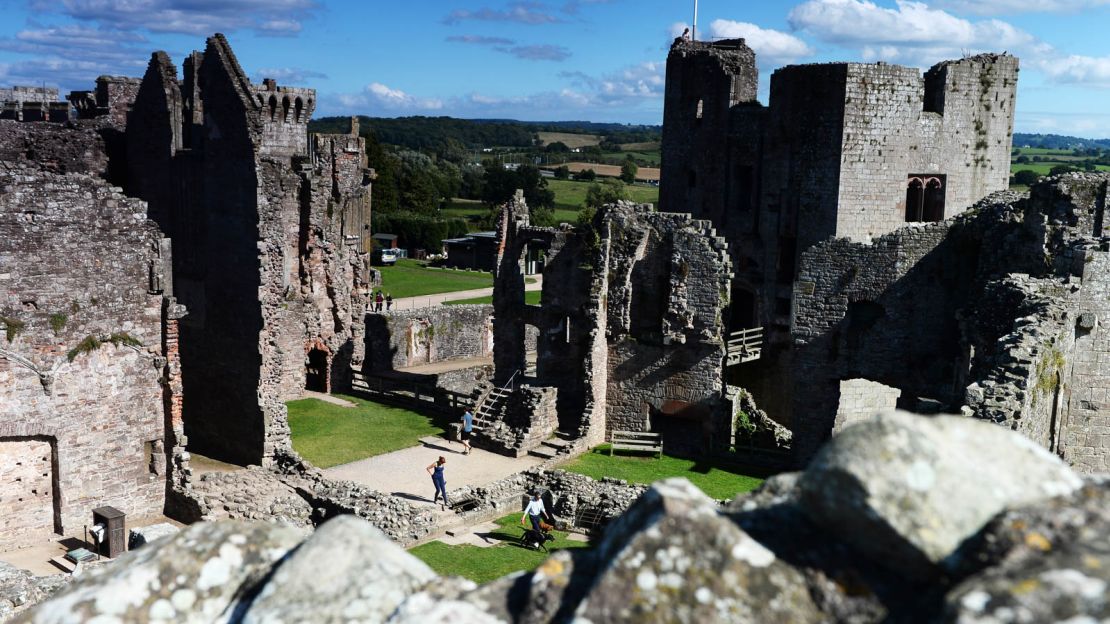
column 77, row 147
column 861, row 399
column 530, row 416
column 78, row 262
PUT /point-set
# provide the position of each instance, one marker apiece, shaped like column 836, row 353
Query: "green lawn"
column 1043, row 168
column 717, row 481
column 570, row 195
column 531, row 297
column 328, row 435
column 410, row 278
column 482, row 565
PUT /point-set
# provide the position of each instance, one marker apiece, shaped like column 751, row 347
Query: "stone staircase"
column 551, row 448
column 490, row 409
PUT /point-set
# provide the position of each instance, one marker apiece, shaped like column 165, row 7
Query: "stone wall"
column 995, row 312
column 403, row 338
column 82, row 354
column 861, row 399
column 62, row 148
column 630, row 326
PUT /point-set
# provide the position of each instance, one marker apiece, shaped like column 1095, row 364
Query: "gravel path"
column 403, row 473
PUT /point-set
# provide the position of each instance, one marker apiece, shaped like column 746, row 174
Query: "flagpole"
column 694, row 33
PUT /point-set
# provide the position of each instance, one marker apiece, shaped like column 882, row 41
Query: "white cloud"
column 771, row 46
column 912, row 32
column 1006, row 7
column 1087, row 71
column 378, row 98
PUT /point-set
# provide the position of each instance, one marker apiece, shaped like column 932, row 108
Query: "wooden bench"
column 636, row 441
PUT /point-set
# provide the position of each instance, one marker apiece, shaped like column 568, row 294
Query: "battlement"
column 285, row 113
column 21, row 103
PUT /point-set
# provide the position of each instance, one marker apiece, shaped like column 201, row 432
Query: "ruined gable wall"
column 77, row 259
column 888, row 136
column 667, row 286
column 220, row 354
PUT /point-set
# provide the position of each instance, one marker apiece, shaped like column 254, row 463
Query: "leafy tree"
column 501, row 184
column 609, row 146
column 609, row 191
column 557, row 147
column 1058, row 169
column 1025, row 177
column 629, row 171
column 562, row 173
column 586, row 175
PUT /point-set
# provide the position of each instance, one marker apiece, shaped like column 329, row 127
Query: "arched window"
column 273, row 107
column 285, row 109
column 298, row 108
column 925, row 197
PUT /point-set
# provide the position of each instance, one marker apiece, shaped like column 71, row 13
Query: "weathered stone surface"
column 199, row 575
column 1049, row 563
column 346, row 571
column 673, row 557
column 20, row 590
column 145, row 535
column 907, row 490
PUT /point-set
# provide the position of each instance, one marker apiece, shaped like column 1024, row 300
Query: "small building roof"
column 384, row 236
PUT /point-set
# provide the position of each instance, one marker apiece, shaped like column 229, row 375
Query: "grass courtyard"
column 570, row 196
column 484, row 564
column 410, row 278
column 329, row 435
column 717, row 480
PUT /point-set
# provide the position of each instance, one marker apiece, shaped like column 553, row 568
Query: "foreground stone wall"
column 82, row 358
column 62, row 148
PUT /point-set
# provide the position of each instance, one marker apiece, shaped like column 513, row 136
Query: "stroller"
column 537, row 540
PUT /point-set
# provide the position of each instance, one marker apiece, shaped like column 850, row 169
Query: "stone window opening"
column 700, row 109
column 787, row 261
column 862, row 317
column 691, row 178
column 284, row 110
column 925, row 198
column 316, row 371
column 273, row 108
column 298, row 109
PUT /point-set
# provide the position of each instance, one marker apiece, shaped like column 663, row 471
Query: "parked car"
column 384, row 257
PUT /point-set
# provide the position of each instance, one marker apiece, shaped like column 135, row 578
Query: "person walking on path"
column 388, row 301
column 467, row 429
column 436, row 470
column 378, row 302
column 534, row 511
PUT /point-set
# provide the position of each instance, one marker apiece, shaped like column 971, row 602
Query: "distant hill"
column 1057, row 141
column 433, row 133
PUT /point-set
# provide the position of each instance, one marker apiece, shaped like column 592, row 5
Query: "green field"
column 410, row 278
column 570, row 195
column 571, row 140
column 482, row 565
column 329, row 435
column 1044, row 167
column 716, row 480
column 472, row 211
column 531, row 297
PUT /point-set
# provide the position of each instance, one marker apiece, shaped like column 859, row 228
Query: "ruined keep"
column 90, row 387
column 268, row 230
column 845, row 150
column 629, row 330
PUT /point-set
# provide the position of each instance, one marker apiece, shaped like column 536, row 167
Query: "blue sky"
column 598, row 60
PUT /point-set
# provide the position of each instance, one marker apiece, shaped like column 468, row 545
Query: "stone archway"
column 316, row 370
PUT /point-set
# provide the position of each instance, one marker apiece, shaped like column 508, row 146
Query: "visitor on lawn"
column 534, row 511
